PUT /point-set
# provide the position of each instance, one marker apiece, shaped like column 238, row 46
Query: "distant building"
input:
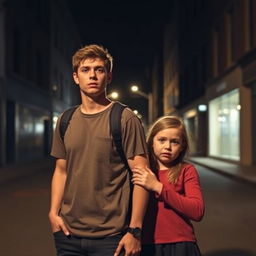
column 210, row 76
column 37, row 40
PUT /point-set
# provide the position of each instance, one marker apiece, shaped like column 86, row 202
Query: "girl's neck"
column 168, row 166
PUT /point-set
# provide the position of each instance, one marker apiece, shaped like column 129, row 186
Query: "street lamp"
column 148, row 96
column 134, row 88
column 113, row 95
column 136, row 112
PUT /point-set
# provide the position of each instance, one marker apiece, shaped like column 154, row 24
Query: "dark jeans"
column 80, row 246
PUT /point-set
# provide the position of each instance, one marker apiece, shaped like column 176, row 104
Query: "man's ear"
column 109, row 79
column 75, row 77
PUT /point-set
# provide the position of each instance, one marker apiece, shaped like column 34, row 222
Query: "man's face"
column 92, row 77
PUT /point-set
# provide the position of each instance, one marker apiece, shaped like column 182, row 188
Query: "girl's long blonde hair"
column 163, row 123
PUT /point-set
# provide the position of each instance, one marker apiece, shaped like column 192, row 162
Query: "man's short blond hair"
column 91, row 52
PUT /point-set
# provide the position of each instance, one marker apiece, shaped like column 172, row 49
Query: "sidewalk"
column 236, row 171
column 16, row 171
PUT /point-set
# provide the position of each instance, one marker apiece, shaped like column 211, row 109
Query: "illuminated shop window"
column 224, row 126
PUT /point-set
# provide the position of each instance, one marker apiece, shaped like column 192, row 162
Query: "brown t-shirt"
column 97, row 191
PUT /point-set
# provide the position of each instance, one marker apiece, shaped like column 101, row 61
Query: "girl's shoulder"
column 188, row 168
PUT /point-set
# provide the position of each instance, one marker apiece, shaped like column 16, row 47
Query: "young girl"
column 176, row 194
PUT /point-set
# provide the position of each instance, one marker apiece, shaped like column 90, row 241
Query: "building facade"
column 210, row 76
column 38, row 39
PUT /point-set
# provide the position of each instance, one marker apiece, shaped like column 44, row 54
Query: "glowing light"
column 55, row 87
column 114, row 95
column 134, row 88
column 202, row 108
column 54, row 121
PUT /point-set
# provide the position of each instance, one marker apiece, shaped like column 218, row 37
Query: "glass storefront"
column 224, row 126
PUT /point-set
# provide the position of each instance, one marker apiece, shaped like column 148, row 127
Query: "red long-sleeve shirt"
column 168, row 216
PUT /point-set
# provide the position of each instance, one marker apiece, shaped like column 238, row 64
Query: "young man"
column 91, row 188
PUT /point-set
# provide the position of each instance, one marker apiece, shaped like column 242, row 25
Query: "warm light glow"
column 55, row 87
column 55, row 118
column 54, row 121
column 190, row 113
column 134, row 88
column 114, row 95
column 136, row 112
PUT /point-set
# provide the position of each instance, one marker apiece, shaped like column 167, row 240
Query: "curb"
column 239, row 173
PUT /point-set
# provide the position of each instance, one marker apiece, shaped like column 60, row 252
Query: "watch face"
column 136, row 232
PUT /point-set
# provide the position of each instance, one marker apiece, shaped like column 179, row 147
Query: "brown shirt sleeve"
column 134, row 142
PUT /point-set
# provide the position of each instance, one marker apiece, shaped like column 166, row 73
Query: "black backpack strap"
column 64, row 120
column 116, row 129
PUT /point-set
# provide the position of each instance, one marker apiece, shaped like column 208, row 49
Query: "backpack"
column 114, row 122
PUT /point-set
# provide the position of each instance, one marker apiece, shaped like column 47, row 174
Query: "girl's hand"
column 147, row 179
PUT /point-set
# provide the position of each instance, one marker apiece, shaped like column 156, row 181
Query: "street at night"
column 227, row 229
column 189, row 61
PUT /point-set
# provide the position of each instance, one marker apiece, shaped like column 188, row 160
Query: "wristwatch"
column 136, row 232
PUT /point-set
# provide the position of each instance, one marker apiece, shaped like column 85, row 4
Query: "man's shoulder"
column 70, row 111
column 127, row 112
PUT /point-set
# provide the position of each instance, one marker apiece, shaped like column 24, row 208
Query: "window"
column 224, row 126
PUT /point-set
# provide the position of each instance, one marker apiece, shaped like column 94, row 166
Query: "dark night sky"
column 131, row 30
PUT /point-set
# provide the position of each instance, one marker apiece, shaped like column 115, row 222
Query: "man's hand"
column 130, row 244
column 57, row 224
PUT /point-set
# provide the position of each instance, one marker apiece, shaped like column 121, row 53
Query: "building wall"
column 214, row 52
column 157, row 89
column 2, row 78
column 170, row 66
column 62, row 47
column 30, row 100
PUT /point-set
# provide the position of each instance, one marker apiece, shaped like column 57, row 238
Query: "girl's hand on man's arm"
column 146, row 178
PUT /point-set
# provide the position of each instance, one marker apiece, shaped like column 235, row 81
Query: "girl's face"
column 167, row 145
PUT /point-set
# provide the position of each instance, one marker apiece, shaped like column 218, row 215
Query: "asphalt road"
column 228, row 228
column 229, row 225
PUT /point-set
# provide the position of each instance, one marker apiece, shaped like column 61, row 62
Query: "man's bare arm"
column 130, row 244
column 57, row 191
column 140, row 195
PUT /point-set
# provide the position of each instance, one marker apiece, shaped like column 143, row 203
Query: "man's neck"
column 92, row 105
